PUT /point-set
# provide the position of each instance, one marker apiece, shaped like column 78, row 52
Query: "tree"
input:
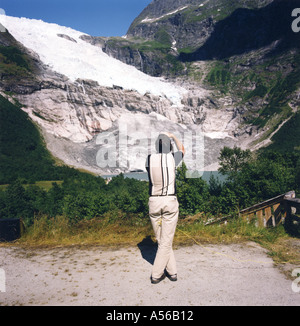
column 17, row 203
column 192, row 193
column 54, row 200
column 232, row 160
column 215, row 186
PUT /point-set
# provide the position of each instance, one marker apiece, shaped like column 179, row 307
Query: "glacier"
column 77, row 59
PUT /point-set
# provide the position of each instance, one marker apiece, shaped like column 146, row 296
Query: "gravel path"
column 220, row 275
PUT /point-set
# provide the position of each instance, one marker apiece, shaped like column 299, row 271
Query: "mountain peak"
column 195, row 10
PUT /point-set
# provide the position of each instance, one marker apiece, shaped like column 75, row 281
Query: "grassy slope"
column 23, row 154
column 288, row 137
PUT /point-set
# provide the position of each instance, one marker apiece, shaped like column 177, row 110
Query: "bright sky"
column 94, row 17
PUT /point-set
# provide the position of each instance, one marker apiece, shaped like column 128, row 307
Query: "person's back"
column 161, row 170
column 163, row 204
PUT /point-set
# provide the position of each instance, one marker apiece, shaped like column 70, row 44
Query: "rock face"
column 74, row 115
column 79, row 111
column 188, row 22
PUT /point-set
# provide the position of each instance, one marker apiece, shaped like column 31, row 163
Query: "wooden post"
column 268, row 215
column 277, row 214
column 260, row 218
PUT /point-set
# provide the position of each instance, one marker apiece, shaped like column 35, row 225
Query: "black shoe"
column 157, row 280
column 172, row 278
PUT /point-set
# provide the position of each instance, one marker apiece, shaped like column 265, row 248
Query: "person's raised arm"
column 178, row 143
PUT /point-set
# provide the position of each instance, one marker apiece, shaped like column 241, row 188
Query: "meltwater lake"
column 143, row 176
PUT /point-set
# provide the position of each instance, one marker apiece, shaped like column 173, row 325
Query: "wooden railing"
column 271, row 212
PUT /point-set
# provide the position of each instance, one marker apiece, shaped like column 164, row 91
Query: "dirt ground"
column 219, row 275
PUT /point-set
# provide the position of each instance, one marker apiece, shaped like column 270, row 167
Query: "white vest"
column 161, row 172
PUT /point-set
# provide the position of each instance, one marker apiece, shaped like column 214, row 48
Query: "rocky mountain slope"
column 242, row 50
column 232, row 75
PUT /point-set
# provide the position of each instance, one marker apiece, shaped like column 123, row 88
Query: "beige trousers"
column 163, row 212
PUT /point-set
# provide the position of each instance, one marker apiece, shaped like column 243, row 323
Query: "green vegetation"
column 79, row 198
column 14, row 64
column 288, row 137
column 27, row 170
column 12, row 55
column 264, row 88
column 219, row 76
column 85, row 197
column 163, row 37
column 259, row 91
column 279, row 94
column 156, row 53
column 271, row 81
column 22, row 151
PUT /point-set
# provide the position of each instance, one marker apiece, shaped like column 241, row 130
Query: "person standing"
column 163, row 203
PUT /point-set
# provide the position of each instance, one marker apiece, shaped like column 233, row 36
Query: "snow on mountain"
column 62, row 49
column 152, row 20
